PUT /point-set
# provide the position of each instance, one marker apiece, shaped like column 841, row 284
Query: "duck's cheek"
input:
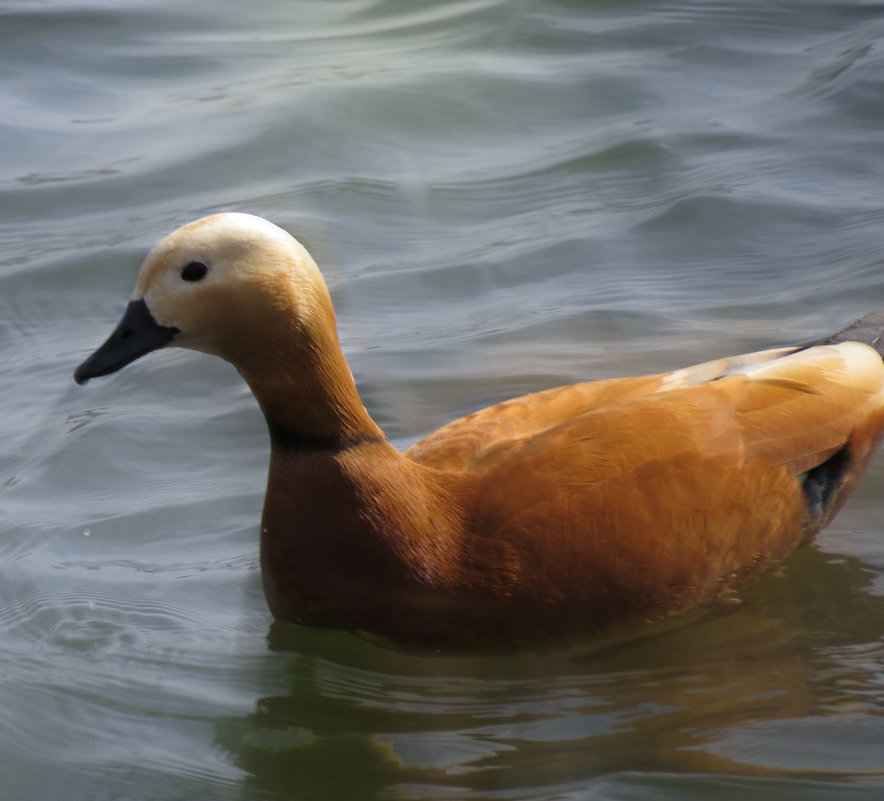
column 201, row 344
column 196, row 334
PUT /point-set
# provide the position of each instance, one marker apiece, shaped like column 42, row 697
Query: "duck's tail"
column 828, row 485
column 868, row 330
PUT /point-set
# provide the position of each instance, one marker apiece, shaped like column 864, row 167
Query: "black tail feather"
column 821, row 484
column 868, row 329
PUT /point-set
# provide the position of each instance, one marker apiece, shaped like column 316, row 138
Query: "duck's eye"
column 194, row 271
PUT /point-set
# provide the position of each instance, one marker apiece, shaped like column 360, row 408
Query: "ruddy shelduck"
column 565, row 510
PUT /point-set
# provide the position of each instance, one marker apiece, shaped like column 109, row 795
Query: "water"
column 505, row 196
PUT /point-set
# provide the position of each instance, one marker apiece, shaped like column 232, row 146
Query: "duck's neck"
column 345, row 512
column 307, row 393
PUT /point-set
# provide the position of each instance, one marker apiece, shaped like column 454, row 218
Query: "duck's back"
column 470, row 441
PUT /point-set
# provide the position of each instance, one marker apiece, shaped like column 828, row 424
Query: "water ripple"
column 509, row 196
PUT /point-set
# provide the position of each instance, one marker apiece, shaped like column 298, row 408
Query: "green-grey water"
column 504, row 196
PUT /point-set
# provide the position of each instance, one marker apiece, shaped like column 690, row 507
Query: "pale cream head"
column 257, row 277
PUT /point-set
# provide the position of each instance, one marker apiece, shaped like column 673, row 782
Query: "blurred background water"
column 504, row 196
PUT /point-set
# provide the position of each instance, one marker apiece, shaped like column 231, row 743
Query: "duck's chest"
column 345, row 548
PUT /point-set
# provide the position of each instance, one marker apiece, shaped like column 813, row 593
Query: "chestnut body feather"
column 569, row 509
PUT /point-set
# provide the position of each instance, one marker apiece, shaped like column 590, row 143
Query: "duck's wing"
column 459, row 445
column 814, row 413
column 796, row 411
column 661, row 500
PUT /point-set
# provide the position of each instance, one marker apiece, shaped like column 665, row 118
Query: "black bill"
column 138, row 333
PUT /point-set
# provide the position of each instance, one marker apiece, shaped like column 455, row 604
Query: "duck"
column 578, row 508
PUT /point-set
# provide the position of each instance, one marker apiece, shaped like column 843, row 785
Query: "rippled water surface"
column 504, row 196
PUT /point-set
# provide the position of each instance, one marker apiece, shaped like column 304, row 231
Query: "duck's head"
column 226, row 284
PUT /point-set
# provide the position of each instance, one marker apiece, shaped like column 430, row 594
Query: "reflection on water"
column 723, row 691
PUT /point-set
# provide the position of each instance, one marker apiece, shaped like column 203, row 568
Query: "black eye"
column 194, row 271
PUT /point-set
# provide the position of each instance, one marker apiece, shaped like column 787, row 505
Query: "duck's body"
column 564, row 510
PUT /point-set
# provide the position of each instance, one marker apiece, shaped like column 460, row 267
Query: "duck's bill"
column 137, row 334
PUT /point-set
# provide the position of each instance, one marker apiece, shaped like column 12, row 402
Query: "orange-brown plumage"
column 564, row 510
